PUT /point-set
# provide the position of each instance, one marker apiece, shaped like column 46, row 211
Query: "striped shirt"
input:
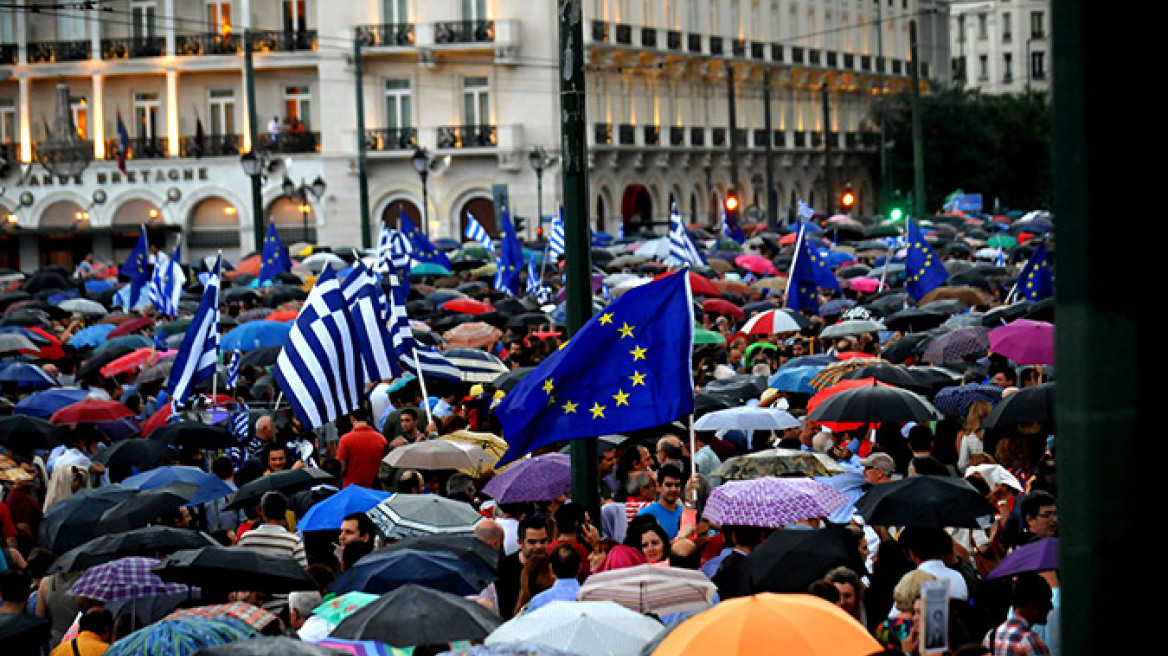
column 276, row 540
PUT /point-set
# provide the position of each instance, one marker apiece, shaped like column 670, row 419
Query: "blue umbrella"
column 821, row 359
column 43, row 404
column 98, row 286
column 209, row 488
column 255, row 334
column 387, row 570
column 327, row 514
column 91, row 336
column 795, row 379
column 23, row 374
column 955, row 401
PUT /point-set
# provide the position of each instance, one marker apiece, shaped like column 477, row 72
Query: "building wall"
column 999, row 41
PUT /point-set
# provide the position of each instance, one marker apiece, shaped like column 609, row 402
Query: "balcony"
column 140, row 148
column 602, row 134
column 676, row 136
column 694, row 43
column 627, row 134
column 388, row 139
column 478, row 31
column 716, row 45
column 467, row 136
column 718, row 137
column 738, row 48
column 673, row 40
column 652, row 135
column 290, row 142
column 210, row 145
column 47, row 52
column 283, row 40
column 648, row 37
column 757, row 50
column 128, row 48
column 697, row 137
column 8, row 53
column 209, row 43
column 386, row 35
column 624, row 34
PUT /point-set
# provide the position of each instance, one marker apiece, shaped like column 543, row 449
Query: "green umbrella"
column 475, row 251
column 175, row 327
column 429, row 269
column 1001, row 241
column 703, row 336
column 335, row 610
column 181, row 637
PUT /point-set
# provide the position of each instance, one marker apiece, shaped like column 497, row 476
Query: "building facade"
column 1001, row 46
column 677, row 109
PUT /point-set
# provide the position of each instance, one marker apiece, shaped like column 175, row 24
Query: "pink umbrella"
column 756, row 264
column 1025, row 341
column 866, row 285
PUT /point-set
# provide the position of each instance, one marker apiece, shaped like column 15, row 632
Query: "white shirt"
column 957, row 587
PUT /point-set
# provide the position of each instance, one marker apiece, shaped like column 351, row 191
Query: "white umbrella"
column 438, row 454
column 626, row 285
column 658, row 248
column 14, row 343
column 406, row 515
column 851, row 327
column 318, row 261
column 588, row 628
column 83, row 306
column 651, row 589
column 747, row 418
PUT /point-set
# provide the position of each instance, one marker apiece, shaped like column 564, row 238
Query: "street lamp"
column 316, row 189
column 421, row 162
column 254, row 166
column 539, row 161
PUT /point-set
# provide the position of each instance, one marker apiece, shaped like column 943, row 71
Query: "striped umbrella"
column 473, row 335
column 834, row 372
column 770, row 323
column 181, row 637
column 253, row 616
column 361, row 647
column 132, row 576
column 476, row 366
column 650, row 589
column 405, row 515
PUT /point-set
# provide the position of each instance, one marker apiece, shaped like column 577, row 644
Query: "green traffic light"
column 896, row 214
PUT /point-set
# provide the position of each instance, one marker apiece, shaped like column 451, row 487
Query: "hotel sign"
column 142, row 176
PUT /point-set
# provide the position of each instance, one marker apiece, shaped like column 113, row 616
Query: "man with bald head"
column 490, row 532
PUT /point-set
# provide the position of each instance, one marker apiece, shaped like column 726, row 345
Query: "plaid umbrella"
column 834, row 372
column 123, row 578
column 181, row 637
column 253, row 616
column 650, row 589
column 955, row 401
column 957, row 344
column 772, row 502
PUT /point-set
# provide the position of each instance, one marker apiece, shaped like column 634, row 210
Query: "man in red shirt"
column 361, row 450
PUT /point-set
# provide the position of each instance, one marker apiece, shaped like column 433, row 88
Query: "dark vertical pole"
column 828, row 172
column 772, row 199
column 578, row 253
column 885, row 173
column 362, row 171
column 257, row 201
column 733, row 109
column 919, row 203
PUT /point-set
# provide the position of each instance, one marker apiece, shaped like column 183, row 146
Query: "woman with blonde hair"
column 66, row 481
column 970, row 437
column 897, row 630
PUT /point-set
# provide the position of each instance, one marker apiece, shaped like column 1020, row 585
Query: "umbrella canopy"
column 756, row 264
column 439, row 454
column 476, row 366
column 891, row 374
column 1024, row 341
column 153, row 541
column 255, row 334
column 747, row 418
column 723, row 307
column 771, row 624
column 649, row 589
column 955, row 401
column 473, row 334
column 957, row 345
column 386, row 570
column 834, row 372
column 413, row 615
column 266, row 645
column 71, row 522
column 23, row 633
column 776, row 462
column 135, row 453
column 590, row 628
column 235, row 568
column 875, row 403
column 25, row 375
column 790, row 560
column 327, row 515
column 253, row 616
column 132, row 576
column 406, row 515
column 509, row 380
column 1026, row 405
column 851, row 327
column 23, row 434
column 264, row 356
column 146, row 506
column 771, row 502
column 770, row 322
column 181, row 637
column 132, row 326
column 466, row 547
column 1039, row 556
column 926, row 501
column 541, row 478
column 91, row 411
column 208, row 487
column 293, row 480
column 188, row 433
column 15, row 343
column 794, row 379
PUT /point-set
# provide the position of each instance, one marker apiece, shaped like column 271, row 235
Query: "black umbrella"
column 232, row 568
column 283, row 295
column 239, row 295
column 97, row 360
column 528, row 319
column 421, row 309
column 1028, row 404
column 23, row 317
column 135, row 453
column 907, row 346
column 13, row 297
column 413, row 615
column 145, row 506
column 791, row 560
column 913, row 320
column 509, row 380
column 264, row 356
column 876, row 403
column 891, row 374
column 466, row 547
column 22, row 634
column 71, row 522
column 427, row 337
column 24, row 434
column 512, row 306
column 704, row 403
column 151, row 541
column 287, row 482
column 47, row 279
column 386, row 570
column 736, row 390
column 194, row 434
column 927, row 502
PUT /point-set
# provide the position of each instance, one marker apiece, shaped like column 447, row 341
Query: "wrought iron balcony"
column 385, row 139
column 386, row 34
column 140, row 148
column 45, row 52
column 715, row 45
column 673, row 40
column 652, row 135
column 210, row 145
column 602, row 134
column 8, row 53
column 479, row 31
column 676, row 136
column 209, row 43
column 130, row 47
column 290, row 142
column 467, row 136
column 627, row 135
column 283, row 40
column 624, row 34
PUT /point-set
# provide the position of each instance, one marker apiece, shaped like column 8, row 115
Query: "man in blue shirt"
column 667, row 509
column 565, row 563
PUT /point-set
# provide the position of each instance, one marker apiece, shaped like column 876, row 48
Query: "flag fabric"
column 383, row 254
column 556, row 239
column 422, row 250
column 1036, row 282
column 233, row 369
column 510, row 259
column 682, row 248
column 433, row 364
column 803, row 283
column 240, row 425
column 824, row 276
column 200, row 138
column 274, row 258
column 401, row 336
column 731, row 229
column 803, row 211
column 123, row 144
column 166, row 285
column 923, row 270
column 319, row 369
column 137, row 268
column 199, row 353
column 400, row 250
column 476, row 231
column 364, row 297
column 532, row 278
column 627, row 368
column 160, row 342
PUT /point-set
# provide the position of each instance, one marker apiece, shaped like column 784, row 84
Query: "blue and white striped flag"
column 400, row 250
column 319, row 369
column 199, row 353
column 233, row 369
column 382, row 266
column 532, row 278
column 476, row 231
column 433, row 364
column 556, row 243
column 803, row 211
column 682, row 249
column 166, row 285
column 365, row 299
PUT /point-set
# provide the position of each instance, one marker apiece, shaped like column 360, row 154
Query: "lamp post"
column 421, row 162
column 539, row 161
column 254, row 166
column 317, row 189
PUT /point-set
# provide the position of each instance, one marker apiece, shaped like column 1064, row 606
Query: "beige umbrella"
column 489, row 442
column 438, row 454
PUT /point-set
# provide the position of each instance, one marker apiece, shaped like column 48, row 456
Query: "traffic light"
column 896, row 208
column 896, row 214
column 539, row 233
column 520, row 225
column 848, row 199
column 732, row 205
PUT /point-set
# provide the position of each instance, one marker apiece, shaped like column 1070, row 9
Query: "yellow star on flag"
column 638, row 378
column 626, row 330
column 622, row 397
column 639, row 353
column 548, row 386
column 606, row 318
column 569, row 407
column 597, row 410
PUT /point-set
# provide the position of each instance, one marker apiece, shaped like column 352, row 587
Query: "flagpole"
column 884, row 271
column 422, row 382
column 215, row 373
column 794, row 261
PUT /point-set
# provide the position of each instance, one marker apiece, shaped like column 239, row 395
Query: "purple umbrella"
column 124, row 578
column 1040, row 556
column 772, row 502
column 597, row 283
column 957, row 344
column 541, row 478
column 1024, row 341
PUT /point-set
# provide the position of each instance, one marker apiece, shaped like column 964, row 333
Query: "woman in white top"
column 969, row 438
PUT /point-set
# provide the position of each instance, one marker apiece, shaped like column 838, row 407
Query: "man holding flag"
column 137, row 269
column 166, row 285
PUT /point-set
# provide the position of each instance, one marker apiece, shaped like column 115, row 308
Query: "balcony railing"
column 673, row 40
column 154, row 46
column 383, row 139
column 210, row 145
column 652, row 135
column 676, row 136
column 283, row 40
column 386, row 34
column 627, row 134
column 624, row 34
column 209, row 43
column 44, row 52
column 602, row 133
column 290, row 142
column 478, row 31
column 467, row 136
column 140, row 148
column 8, row 53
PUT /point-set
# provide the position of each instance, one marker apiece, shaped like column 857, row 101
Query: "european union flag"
column 627, row 368
column 824, row 276
column 923, row 270
column 424, row 251
column 803, row 287
column 510, row 261
column 1036, row 282
column 274, row 259
column 137, row 268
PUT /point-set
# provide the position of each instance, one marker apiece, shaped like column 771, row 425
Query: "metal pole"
column 733, row 109
column 828, row 173
column 425, row 203
column 885, row 174
column 257, row 203
column 772, row 199
column 362, row 172
column 539, row 198
column 919, row 203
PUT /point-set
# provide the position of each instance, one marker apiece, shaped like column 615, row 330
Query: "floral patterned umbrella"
column 181, row 637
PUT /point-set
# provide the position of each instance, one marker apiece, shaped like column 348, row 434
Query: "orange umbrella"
column 473, row 334
column 283, row 315
column 771, row 623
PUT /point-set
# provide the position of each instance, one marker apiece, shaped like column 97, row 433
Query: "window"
column 8, row 131
column 146, row 106
column 395, row 11
column 295, row 16
column 1038, row 65
column 982, row 26
column 983, row 67
column 222, row 103
column 476, row 104
column 79, row 109
column 1037, row 29
column 959, row 69
column 298, row 105
column 1008, row 67
column 145, row 14
column 961, row 28
column 398, row 104
column 219, row 16
column 474, row 10
column 72, row 27
column 1007, row 30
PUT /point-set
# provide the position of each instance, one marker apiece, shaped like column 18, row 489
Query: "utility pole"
column 919, row 203
column 362, row 171
column 885, row 174
column 772, row 200
column 733, row 109
column 577, row 240
column 828, row 174
column 257, row 201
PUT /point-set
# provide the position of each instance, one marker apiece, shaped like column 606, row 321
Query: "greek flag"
column 400, row 250
column 682, row 249
column 803, row 211
column 199, row 353
column 476, row 231
column 406, row 348
column 233, row 370
column 383, row 251
column 433, row 365
column 399, row 323
column 532, row 278
column 556, row 244
column 365, row 299
column 166, row 285
column 319, row 369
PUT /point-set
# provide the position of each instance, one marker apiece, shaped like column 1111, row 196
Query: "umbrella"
column 253, row 616
column 891, row 374
column 747, row 418
column 23, row 434
column 591, row 628
column 236, row 569
column 771, row 502
column 541, row 478
column 736, row 390
column 875, row 403
column 131, row 326
column 957, row 345
column 776, row 462
column 913, row 320
column 955, row 401
column 794, row 379
column 834, row 372
column 438, row 454
column 1039, row 556
column 476, row 366
column 790, row 559
column 466, row 547
column 405, row 515
column 771, row 624
column 509, row 380
column 429, row 269
column 770, row 322
column 188, row 433
column 328, row 514
column 1024, row 341
column 146, row 506
column 851, row 327
column 338, row 608
column 71, row 522
column 756, row 264
column 134, row 453
column 132, row 576
column 264, row 356
column 466, row 306
column 91, row 411
column 25, row 375
column 255, row 334
column 386, row 570
column 267, row 645
column 414, row 615
column 14, row 343
column 152, row 541
column 723, row 307
column 474, row 335
column 23, row 633
column 208, row 487
column 132, row 361
column 293, row 480
column 699, row 285
column 927, row 502
column 649, row 589
column 1026, row 405
column 181, row 637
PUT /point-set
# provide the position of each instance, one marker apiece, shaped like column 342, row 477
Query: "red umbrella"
column 700, row 285
column 130, row 327
column 157, row 419
column 135, row 359
column 50, row 351
column 91, row 411
column 467, row 306
column 723, row 307
column 283, row 316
